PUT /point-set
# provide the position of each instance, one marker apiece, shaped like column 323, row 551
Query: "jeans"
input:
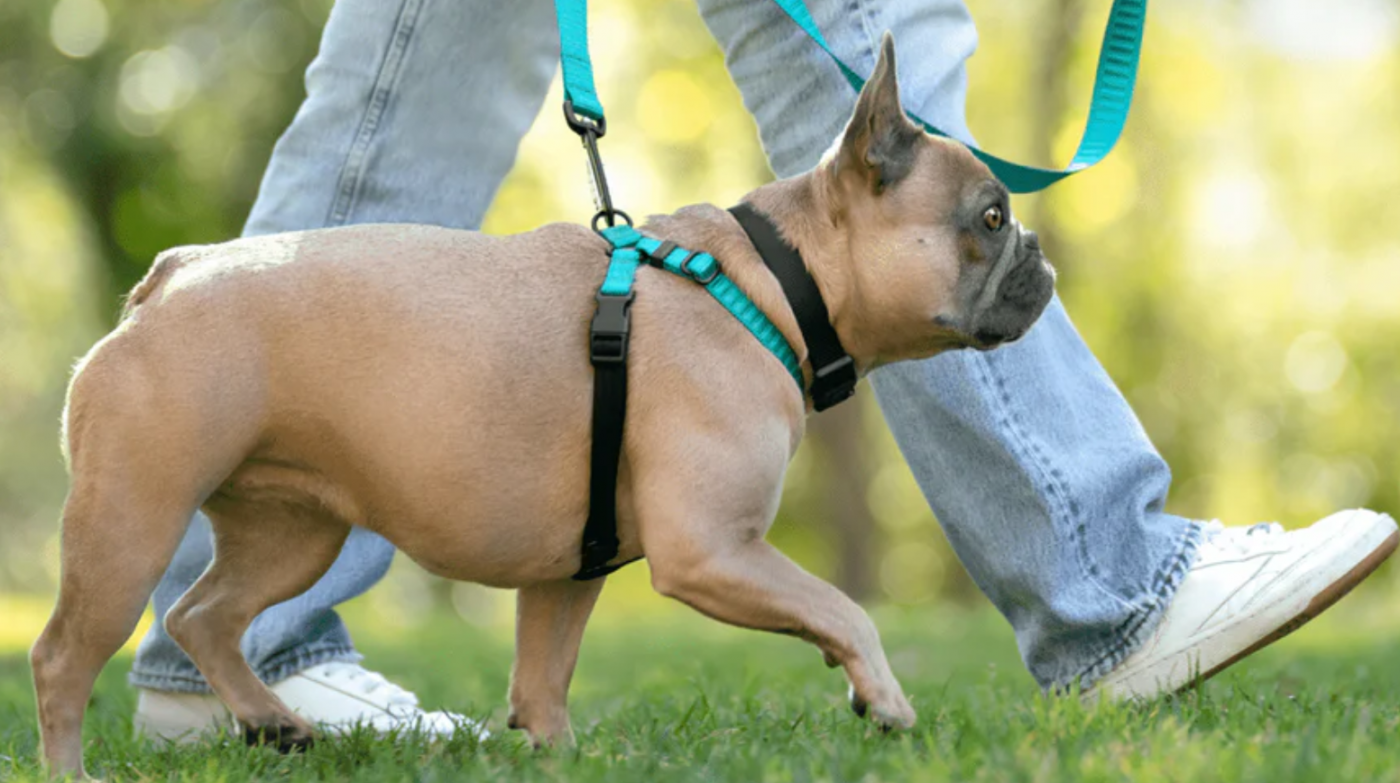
column 1045, row 482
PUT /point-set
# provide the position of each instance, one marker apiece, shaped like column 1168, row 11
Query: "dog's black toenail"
column 859, row 706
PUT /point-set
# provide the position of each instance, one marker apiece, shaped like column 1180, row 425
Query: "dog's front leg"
column 752, row 585
column 549, row 622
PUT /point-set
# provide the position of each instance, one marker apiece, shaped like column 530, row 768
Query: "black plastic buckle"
column 608, row 333
column 828, row 385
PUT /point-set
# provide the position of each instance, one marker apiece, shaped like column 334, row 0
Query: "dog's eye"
column 992, row 218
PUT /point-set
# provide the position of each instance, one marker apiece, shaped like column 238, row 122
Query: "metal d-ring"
column 611, row 215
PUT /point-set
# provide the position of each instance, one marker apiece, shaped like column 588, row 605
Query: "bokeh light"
column 78, row 28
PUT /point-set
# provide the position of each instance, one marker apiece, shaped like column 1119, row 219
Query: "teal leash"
column 1111, row 99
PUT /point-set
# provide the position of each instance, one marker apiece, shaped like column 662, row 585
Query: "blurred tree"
column 158, row 116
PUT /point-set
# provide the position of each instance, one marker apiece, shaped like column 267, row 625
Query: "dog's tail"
column 165, row 265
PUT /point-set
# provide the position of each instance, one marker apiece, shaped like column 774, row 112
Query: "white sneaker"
column 335, row 696
column 1250, row 587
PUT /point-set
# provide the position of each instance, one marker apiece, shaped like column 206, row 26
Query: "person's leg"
column 1045, row 482
column 414, row 112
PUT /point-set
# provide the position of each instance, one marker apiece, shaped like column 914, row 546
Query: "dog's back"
column 401, row 373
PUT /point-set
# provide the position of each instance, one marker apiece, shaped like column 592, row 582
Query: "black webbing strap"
column 833, row 371
column 607, row 348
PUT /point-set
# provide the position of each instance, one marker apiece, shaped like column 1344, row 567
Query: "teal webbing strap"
column 1108, row 108
column 703, row 267
column 621, row 236
column 622, row 269
column 573, row 58
column 742, row 308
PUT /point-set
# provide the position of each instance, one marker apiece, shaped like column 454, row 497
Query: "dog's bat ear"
column 880, row 143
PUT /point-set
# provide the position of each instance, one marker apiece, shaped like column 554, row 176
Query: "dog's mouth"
column 979, row 339
column 986, row 340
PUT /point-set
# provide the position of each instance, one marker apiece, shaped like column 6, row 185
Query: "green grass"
column 669, row 696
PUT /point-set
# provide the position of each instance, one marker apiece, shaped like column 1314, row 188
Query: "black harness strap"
column 833, row 372
column 608, row 336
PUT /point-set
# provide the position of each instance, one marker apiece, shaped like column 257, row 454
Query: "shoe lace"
column 368, row 682
column 1239, row 540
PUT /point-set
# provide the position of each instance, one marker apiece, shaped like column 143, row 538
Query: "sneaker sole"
column 176, row 732
column 1320, row 602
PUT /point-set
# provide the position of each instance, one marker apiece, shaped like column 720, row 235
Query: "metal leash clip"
column 589, row 131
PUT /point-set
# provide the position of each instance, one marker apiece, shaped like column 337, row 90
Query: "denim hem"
column 276, row 669
column 1146, row 617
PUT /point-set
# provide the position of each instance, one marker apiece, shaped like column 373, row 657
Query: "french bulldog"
column 434, row 386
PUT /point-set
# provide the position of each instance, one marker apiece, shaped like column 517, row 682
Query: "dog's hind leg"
column 549, row 623
column 114, row 549
column 136, row 481
column 264, row 553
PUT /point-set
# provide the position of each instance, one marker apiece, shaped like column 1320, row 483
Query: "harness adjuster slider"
column 612, row 324
column 714, row 269
column 657, row 256
column 828, row 388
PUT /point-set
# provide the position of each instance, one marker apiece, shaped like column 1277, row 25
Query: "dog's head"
column 936, row 260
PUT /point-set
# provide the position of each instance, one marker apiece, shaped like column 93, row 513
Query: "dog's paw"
column 890, row 714
column 545, row 731
column 286, row 737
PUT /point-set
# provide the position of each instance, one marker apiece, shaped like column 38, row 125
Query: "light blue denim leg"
column 1045, row 482
column 414, row 112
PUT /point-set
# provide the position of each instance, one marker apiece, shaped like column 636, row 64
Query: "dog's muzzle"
column 1019, row 287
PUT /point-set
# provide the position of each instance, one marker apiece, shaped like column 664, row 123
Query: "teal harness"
column 631, row 249
column 608, row 336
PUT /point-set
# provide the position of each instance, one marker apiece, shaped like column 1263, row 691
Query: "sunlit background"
column 1235, row 263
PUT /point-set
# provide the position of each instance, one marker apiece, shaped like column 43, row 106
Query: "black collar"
column 833, row 371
